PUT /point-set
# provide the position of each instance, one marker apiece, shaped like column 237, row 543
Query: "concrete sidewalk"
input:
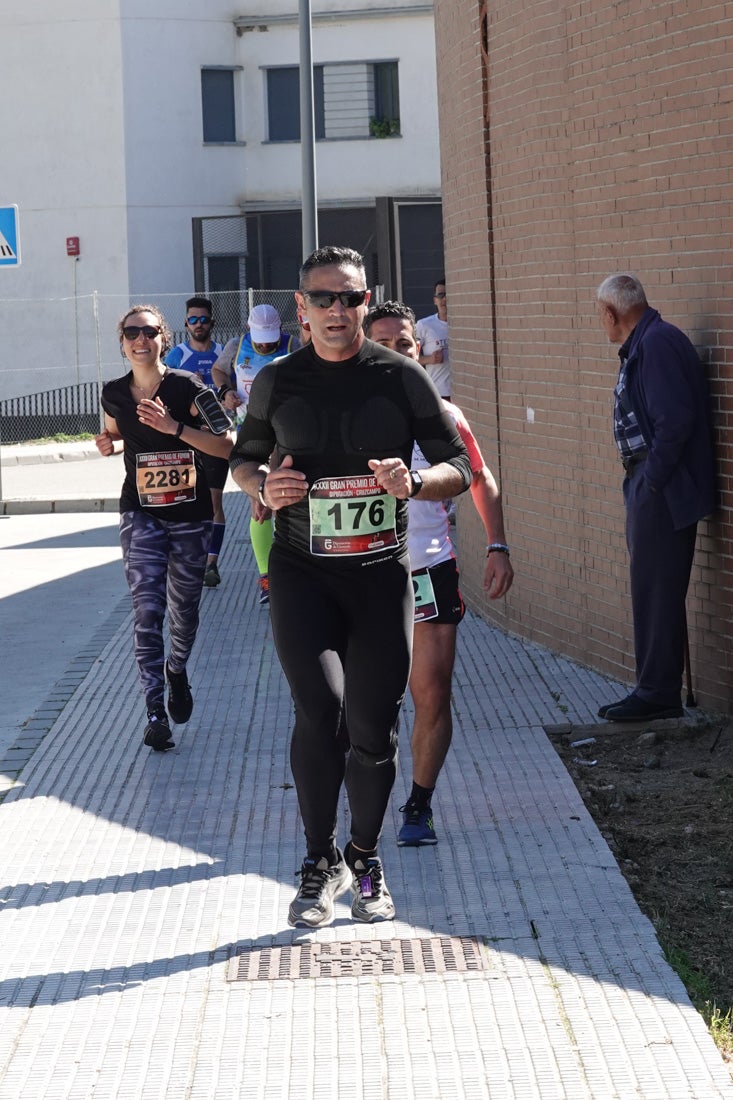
column 143, row 899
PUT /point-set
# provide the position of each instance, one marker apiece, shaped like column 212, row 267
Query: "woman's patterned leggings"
column 164, row 565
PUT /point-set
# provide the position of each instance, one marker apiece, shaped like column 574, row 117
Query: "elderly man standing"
column 662, row 427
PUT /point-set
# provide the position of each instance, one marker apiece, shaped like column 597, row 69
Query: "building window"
column 217, row 102
column 283, row 103
column 385, row 120
column 350, row 100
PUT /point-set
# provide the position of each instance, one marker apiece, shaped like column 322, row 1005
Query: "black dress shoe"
column 603, row 711
column 634, row 709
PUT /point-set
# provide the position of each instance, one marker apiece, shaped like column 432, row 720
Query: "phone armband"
column 214, row 416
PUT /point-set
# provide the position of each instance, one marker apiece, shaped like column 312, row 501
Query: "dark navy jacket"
column 668, row 391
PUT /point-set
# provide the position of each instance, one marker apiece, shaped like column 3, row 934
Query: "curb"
column 21, row 455
column 62, row 505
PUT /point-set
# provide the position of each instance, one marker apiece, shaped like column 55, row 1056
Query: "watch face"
column 416, row 482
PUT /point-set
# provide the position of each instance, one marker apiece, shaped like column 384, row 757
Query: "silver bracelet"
column 499, row 547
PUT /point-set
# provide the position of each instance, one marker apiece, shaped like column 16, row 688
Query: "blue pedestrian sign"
column 9, row 237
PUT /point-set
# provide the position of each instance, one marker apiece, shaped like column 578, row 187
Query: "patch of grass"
column 697, row 985
column 721, row 1028
column 61, row 437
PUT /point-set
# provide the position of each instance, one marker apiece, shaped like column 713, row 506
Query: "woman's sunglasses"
column 131, row 332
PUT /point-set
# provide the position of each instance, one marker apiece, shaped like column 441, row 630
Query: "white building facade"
column 165, row 136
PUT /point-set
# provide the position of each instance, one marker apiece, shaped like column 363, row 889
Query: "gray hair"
column 624, row 292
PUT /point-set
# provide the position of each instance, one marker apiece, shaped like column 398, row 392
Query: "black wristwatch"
column 416, row 479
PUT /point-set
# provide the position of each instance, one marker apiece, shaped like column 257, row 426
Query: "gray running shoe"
column 372, row 900
column 320, row 885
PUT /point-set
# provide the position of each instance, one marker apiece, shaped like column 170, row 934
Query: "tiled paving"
column 130, row 879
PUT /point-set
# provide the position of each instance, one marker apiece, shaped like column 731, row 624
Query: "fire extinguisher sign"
column 9, row 237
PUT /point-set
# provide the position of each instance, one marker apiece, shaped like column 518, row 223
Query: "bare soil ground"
column 662, row 797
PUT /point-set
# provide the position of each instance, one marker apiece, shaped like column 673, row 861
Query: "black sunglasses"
column 324, row 299
column 131, row 332
column 198, row 320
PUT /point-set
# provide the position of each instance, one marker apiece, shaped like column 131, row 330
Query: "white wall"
column 62, row 163
column 103, row 140
column 356, row 169
column 171, row 175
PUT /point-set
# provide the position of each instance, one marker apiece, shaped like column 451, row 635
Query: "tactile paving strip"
column 433, row 955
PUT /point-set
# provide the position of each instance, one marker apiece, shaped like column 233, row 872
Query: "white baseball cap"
column 264, row 324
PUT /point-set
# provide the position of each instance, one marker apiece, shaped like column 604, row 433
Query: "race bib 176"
column 350, row 515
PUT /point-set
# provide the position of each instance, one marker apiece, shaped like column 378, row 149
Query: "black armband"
column 214, row 416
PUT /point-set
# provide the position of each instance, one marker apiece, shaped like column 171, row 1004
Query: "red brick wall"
column 609, row 148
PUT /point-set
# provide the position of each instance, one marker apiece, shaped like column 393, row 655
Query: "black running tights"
column 344, row 639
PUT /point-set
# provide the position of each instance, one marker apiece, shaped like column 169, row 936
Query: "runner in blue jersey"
column 197, row 354
column 199, row 351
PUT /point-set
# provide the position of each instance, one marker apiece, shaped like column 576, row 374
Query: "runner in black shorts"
column 438, row 603
column 156, row 416
column 341, row 416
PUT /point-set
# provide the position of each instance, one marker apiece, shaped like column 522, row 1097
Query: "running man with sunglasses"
column 339, row 418
column 198, row 354
column 162, row 420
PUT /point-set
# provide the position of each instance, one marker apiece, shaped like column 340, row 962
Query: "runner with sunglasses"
column 197, row 354
column 341, row 416
column 161, row 419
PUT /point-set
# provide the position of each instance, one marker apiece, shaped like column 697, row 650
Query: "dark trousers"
column 164, row 565
column 661, row 561
column 344, row 639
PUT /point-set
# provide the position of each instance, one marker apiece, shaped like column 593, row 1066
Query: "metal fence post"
column 95, row 306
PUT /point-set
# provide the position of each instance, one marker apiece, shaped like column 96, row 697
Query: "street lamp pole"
column 307, row 133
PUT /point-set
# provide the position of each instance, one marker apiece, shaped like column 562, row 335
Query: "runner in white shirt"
column 432, row 336
column 438, row 603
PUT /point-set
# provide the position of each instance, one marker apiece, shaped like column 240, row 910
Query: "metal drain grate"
column 437, row 955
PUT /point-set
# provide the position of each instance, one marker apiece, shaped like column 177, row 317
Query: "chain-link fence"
column 51, row 379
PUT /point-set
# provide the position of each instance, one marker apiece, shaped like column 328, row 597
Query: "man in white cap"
column 233, row 372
